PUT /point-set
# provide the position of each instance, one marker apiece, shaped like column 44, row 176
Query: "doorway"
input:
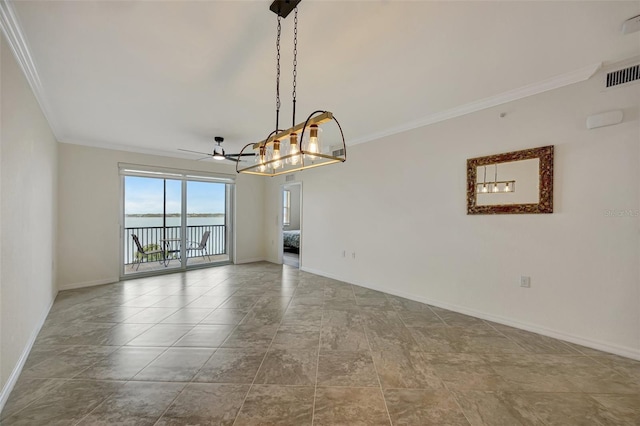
column 291, row 226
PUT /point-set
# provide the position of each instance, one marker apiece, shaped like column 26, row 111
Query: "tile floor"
column 266, row 344
column 291, row 259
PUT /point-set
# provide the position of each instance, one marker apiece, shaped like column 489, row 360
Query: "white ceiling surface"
column 157, row 76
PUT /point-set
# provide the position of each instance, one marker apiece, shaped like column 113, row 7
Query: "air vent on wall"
column 338, row 152
column 625, row 75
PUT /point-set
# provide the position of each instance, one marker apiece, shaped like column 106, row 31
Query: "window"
column 286, row 208
column 174, row 219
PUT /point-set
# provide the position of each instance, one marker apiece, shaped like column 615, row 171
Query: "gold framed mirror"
column 516, row 182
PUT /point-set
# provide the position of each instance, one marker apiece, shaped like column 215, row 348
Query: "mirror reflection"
column 511, row 183
column 514, row 182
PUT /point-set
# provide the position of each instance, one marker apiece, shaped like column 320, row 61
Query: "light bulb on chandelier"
column 277, row 163
column 294, row 153
column 314, row 142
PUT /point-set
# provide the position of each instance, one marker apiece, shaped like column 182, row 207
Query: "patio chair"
column 141, row 253
column 202, row 246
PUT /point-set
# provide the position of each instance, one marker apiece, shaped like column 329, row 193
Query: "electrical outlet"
column 525, row 281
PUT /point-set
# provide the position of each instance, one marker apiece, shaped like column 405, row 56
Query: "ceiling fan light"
column 218, row 153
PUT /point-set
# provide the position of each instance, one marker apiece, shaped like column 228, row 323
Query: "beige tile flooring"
column 266, row 344
column 291, row 259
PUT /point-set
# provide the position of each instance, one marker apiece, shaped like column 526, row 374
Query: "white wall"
column 90, row 211
column 404, row 216
column 28, row 194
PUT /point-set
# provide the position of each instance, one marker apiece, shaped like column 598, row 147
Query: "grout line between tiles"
column 455, row 398
column 598, row 361
column 179, row 393
column 29, row 404
column 166, row 348
column 125, row 381
column 315, row 388
column 183, row 388
column 94, row 408
column 524, row 350
column 384, row 399
column 436, row 314
column 261, row 362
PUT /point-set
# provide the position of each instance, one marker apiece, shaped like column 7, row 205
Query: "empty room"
column 319, row 212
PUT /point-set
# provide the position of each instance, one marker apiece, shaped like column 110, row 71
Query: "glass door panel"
column 207, row 223
column 152, row 224
column 172, row 229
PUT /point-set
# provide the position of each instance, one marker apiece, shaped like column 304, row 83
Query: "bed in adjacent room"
column 291, row 240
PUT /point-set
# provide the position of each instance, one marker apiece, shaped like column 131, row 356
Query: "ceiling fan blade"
column 196, row 152
column 204, row 158
column 236, row 157
column 240, row 155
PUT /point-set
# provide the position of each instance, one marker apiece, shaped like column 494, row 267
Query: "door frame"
column 280, row 245
column 184, row 176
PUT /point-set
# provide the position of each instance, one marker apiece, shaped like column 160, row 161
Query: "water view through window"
column 170, row 235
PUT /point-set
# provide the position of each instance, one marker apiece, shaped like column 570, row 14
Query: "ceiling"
column 157, row 76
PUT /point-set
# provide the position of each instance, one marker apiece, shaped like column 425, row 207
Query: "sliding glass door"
column 174, row 221
column 206, row 222
column 152, row 223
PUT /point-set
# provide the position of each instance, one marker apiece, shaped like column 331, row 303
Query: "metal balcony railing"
column 151, row 238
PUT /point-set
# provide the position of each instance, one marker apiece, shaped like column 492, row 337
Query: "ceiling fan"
column 218, row 152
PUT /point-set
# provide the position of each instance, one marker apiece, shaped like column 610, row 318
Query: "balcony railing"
column 151, row 238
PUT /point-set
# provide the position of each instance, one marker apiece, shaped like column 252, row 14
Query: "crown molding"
column 137, row 150
column 13, row 33
column 552, row 83
column 17, row 42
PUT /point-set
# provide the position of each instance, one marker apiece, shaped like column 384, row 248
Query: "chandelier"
column 495, row 186
column 301, row 146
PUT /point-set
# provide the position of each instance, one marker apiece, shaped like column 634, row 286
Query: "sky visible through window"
column 145, row 196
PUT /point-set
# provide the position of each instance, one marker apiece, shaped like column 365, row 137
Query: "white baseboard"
column 556, row 334
column 250, row 260
column 13, row 377
column 72, row 286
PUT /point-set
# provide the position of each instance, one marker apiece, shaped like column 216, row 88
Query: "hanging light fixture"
column 300, row 147
column 497, row 186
